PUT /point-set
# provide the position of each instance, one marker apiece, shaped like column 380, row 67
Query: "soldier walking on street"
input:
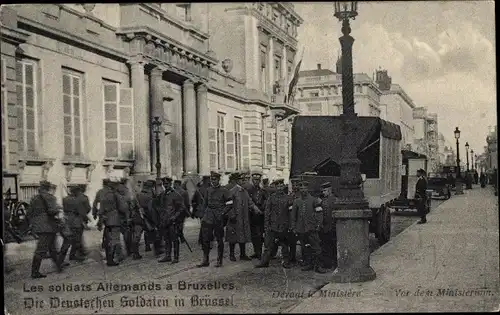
column 292, row 237
column 217, row 202
column 187, row 204
column 124, row 219
column 84, row 200
column 171, row 208
column 307, row 219
column 238, row 227
column 421, row 196
column 259, row 196
column 112, row 207
column 328, row 234
column 276, row 225
column 75, row 214
column 44, row 215
column 135, row 221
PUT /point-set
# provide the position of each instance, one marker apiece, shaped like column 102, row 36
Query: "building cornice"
column 269, row 27
column 13, row 35
column 403, row 95
column 288, row 10
column 87, row 16
column 71, row 38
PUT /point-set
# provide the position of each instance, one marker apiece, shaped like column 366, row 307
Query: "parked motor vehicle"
column 440, row 186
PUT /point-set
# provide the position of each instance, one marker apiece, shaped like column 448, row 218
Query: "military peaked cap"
column 215, row 175
column 295, row 180
column 177, row 181
column 234, row 176
column 74, row 189
column 166, row 179
column 420, row 170
column 123, row 181
column 105, row 181
column 326, row 185
column 265, row 180
column 45, row 184
column 304, row 183
column 279, row 181
column 205, row 177
column 256, row 176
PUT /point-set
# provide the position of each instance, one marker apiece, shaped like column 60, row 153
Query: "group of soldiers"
column 247, row 210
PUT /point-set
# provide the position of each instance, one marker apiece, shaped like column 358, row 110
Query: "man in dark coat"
column 134, row 221
column 84, row 200
column 198, row 201
column 75, row 214
column 145, row 200
column 125, row 228
column 187, row 204
column 421, row 196
column 328, row 232
column 171, row 208
column 276, row 225
column 292, row 237
column 239, row 227
column 112, row 208
column 476, row 177
column 306, row 222
column 259, row 196
column 44, row 213
column 218, row 201
column 97, row 203
column 482, row 179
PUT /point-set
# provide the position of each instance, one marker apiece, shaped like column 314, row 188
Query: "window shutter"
column 282, row 150
column 126, row 130
column 212, row 148
column 230, row 151
column 268, row 148
column 245, row 144
column 110, row 108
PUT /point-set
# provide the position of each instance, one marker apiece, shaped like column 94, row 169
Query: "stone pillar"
column 155, row 89
column 202, row 128
column 189, row 127
column 271, row 64
column 284, row 66
column 141, row 120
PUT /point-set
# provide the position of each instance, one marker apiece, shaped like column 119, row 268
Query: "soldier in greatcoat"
column 218, row 202
column 75, row 214
column 97, row 203
column 238, row 227
column 44, row 214
column 112, row 208
column 198, row 201
column 421, row 196
column 178, row 187
column 306, row 222
column 135, row 221
column 125, row 228
column 328, row 234
column 258, row 196
column 171, row 208
column 85, row 202
column 145, row 200
column 276, row 225
column 292, row 237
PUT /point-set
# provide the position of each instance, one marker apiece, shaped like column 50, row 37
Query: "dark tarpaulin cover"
column 407, row 154
column 316, row 139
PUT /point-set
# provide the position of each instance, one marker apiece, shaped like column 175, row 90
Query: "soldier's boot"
column 307, row 263
column 264, row 263
column 255, row 251
column 317, row 266
column 220, row 254
column 62, row 253
column 274, row 253
column 55, row 259
column 110, row 253
column 206, row 254
column 147, row 247
column 157, row 247
column 168, row 252
column 35, row 267
column 243, row 254
column 176, row 252
column 293, row 253
column 136, row 254
column 232, row 256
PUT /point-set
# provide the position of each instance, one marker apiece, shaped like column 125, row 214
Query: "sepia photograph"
column 249, row 157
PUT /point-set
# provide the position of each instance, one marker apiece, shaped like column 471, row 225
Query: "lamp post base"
column 353, row 247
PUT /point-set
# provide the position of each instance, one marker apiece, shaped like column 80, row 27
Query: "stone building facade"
column 84, row 82
column 320, row 93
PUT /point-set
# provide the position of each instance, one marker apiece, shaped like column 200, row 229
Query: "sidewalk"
column 421, row 269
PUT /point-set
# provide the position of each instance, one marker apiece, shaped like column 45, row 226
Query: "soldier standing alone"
column 421, row 196
column 276, row 225
column 217, row 202
column 198, row 201
column 328, row 234
column 145, row 200
column 307, row 219
column 44, row 213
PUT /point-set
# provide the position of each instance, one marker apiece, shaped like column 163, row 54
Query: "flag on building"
column 293, row 82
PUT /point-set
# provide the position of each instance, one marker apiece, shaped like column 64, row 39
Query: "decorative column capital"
column 157, row 71
column 137, row 61
column 188, row 83
column 202, row 88
column 69, row 171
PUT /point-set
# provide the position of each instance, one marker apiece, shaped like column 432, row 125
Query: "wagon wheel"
column 383, row 225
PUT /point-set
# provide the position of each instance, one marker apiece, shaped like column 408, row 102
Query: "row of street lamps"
column 457, row 136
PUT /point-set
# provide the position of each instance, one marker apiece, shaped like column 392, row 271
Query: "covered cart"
column 316, row 157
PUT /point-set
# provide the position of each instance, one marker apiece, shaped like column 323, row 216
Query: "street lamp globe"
column 346, row 10
column 156, row 125
column 457, row 133
column 467, row 146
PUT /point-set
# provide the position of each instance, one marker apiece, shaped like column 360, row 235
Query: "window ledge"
column 33, row 160
column 118, row 163
column 77, row 161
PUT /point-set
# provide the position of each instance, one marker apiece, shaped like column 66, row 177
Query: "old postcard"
column 249, row 157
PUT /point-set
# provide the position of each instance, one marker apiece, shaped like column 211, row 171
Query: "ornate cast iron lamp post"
column 354, row 213
column 156, row 124
column 458, row 182
column 472, row 159
column 467, row 154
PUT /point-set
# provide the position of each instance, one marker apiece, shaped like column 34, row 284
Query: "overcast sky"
column 441, row 53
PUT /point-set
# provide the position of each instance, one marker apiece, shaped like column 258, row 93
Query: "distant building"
column 320, row 93
column 491, row 160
